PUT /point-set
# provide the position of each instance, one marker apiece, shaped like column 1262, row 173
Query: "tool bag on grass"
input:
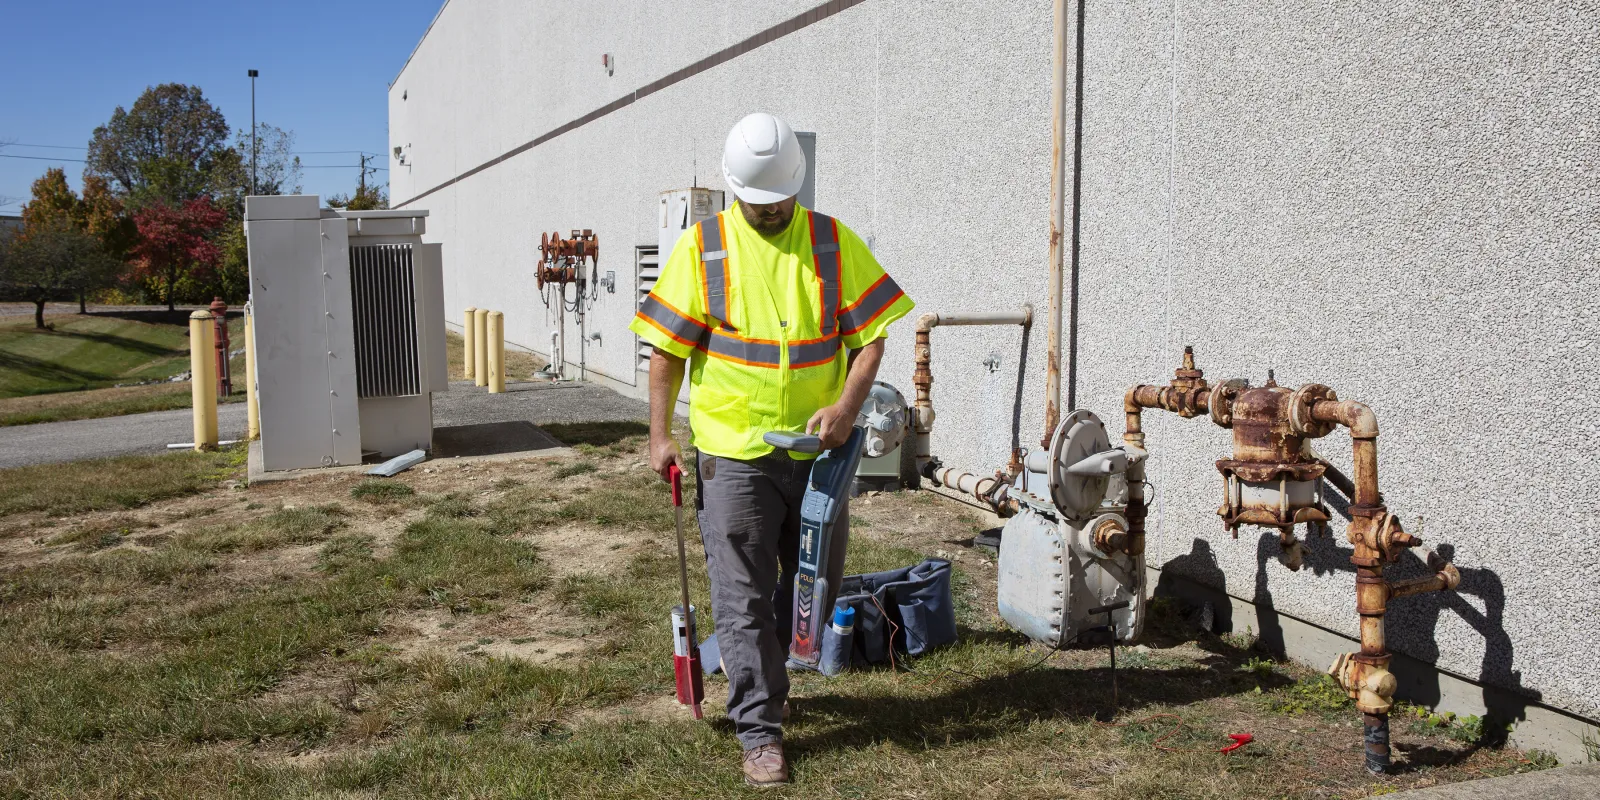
column 909, row 610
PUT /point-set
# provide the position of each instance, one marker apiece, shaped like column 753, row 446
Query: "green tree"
column 165, row 149
column 367, row 198
column 50, row 259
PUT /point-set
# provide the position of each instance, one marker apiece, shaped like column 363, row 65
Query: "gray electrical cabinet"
column 348, row 319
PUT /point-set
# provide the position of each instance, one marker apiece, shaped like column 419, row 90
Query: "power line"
column 43, row 158
column 340, row 166
column 46, row 146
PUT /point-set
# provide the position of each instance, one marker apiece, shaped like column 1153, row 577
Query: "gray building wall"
column 1397, row 200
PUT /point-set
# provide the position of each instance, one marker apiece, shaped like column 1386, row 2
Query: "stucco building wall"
column 1397, row 201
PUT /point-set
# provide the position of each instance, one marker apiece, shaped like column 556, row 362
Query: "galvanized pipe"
column 990, row 491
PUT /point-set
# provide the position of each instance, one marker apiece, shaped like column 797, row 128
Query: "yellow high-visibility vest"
column 766, row 323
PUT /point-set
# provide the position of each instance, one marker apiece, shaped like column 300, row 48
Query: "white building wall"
column 1397, row 201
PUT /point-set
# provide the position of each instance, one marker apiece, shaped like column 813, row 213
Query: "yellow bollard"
column 480, row 347
column 467, row 338
column 252, row 406
column 497, row 352
column 203, row 379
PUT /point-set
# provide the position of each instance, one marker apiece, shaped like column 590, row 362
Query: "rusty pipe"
column 1363, row 425
column 922, row 415
column 1058, row 170
column 1339, row 480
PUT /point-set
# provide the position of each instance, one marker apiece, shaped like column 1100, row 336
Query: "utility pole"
column 361, row 189
column 255, row 150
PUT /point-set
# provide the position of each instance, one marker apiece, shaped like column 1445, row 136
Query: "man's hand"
column 663, row 454
column 832, row 424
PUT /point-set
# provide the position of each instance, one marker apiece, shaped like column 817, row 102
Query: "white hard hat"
column 762, row 160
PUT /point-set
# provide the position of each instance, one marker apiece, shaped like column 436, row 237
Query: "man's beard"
column 770, row 226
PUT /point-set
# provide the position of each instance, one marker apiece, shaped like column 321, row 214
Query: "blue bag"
column 908, row 609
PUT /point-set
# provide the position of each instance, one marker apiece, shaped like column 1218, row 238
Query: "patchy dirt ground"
column 574, row 666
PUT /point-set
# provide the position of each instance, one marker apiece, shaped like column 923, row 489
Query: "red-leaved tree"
column 177, row 242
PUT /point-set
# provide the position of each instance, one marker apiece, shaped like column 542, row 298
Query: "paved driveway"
column 464, row 404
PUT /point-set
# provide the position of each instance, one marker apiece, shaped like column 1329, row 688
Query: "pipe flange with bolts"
column 1221, row 401
column 1300, row 404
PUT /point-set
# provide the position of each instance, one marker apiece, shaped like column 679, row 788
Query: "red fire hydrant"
column 219, row 314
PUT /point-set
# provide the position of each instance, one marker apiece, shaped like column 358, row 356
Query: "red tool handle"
column 675, row 475
column 1239, row 740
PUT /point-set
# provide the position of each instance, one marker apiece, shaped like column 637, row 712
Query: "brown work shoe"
column 765, row 766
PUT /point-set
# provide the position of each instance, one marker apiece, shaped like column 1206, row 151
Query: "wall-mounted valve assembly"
column 1073, row 542
column 562, row 262
column 1273, row 481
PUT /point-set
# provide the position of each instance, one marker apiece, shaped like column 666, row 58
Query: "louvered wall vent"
column 383, row 291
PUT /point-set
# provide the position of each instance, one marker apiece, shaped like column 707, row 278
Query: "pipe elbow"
column 1450, row 577
column 927, row 322
column 1356, row 416
column 1361, row 420
column 1027, row 315
column 1129, row 406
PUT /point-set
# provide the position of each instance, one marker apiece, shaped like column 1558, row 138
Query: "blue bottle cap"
column 844, row 617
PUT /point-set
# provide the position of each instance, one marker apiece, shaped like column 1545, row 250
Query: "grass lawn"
column 500, row 630
column 71, row 372
column 520, row 366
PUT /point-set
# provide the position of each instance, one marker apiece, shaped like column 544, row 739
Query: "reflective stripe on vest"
column 724, row 341
column 830, row 268
column 873, row 302
column 672, row 322
column 714, row 267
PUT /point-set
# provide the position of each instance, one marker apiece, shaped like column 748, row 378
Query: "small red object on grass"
column 1239, row 740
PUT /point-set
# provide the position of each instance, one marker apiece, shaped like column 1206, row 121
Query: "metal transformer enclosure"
column 348, row 321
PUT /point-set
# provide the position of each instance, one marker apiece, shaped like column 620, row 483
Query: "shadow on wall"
column 1411, row 622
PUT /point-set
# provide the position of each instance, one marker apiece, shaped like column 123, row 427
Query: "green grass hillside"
column 86, row 352
column 72, row 371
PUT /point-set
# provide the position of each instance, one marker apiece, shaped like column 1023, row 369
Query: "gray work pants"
column 750, row 525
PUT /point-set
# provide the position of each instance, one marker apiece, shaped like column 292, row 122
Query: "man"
column 779, row 313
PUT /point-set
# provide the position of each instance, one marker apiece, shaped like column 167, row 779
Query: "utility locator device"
column 831, row 474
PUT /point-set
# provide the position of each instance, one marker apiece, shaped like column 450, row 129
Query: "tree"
column 177, row 242
column 277, row 172
column 98, row 214
column 366, row 198
column 50, row 259
column 52, row 200
column 163, row 150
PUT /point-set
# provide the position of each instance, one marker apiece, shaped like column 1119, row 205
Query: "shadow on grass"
column 50, row 371
column 992, row 707
column 178, row 317
column 597, row 434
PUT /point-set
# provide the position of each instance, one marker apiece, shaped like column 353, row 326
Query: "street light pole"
column 254, row 149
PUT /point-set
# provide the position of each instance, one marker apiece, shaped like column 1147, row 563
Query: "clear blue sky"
column 325, row 70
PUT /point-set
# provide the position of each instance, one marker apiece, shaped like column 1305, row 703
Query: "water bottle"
column 836, row 644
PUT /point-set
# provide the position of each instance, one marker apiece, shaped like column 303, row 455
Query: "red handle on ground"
column 1239, row 740
column 675, row 475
